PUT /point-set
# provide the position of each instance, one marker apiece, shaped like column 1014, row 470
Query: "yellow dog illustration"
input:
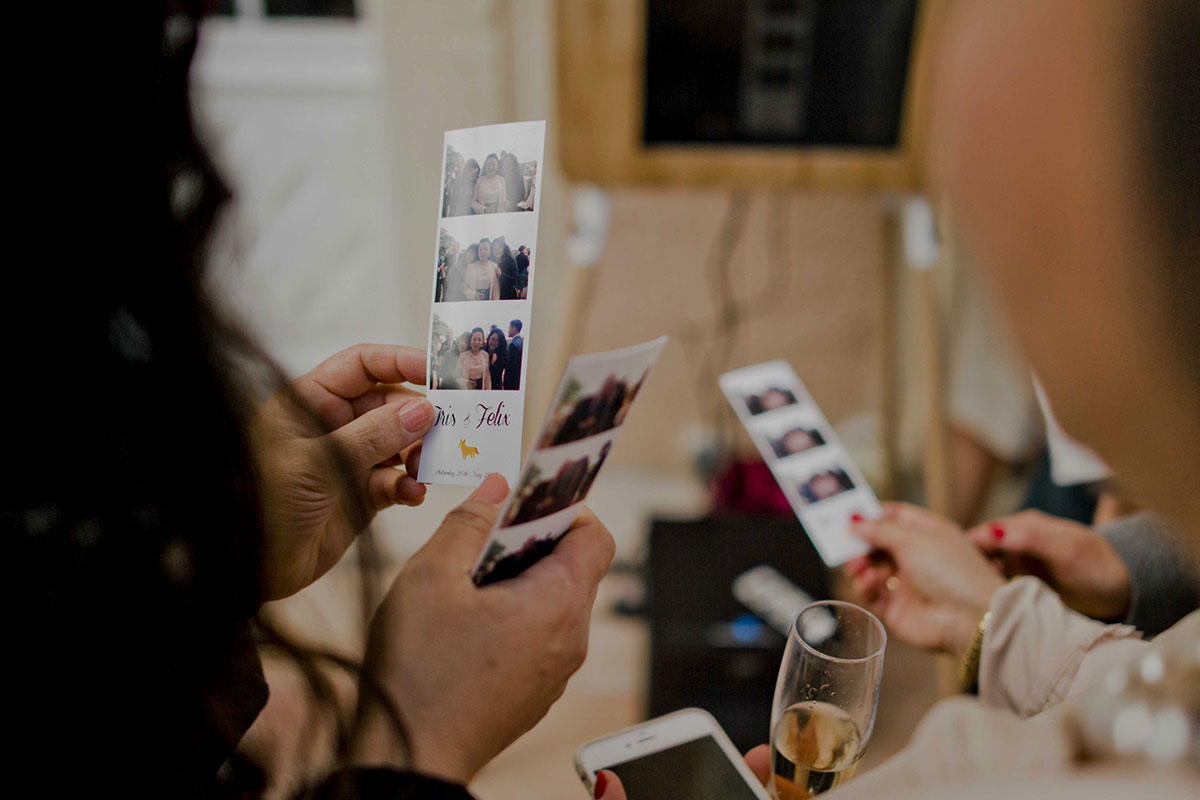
column 467, row 450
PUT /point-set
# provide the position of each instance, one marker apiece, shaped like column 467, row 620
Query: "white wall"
column 456, row 64
column 291, row 111
column 331, row 134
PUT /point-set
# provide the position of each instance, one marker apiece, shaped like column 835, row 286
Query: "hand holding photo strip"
column 590, row 406
column 822, row 484
column 482, row 302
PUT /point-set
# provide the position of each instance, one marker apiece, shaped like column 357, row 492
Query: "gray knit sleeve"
column 1164, row 580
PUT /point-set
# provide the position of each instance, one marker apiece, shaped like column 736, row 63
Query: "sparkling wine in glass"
column 825, row 698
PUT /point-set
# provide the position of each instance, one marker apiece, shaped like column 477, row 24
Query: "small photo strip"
column 478, row 347
column 490, row 258
column 557, row 478
column 511, row 551
column 813, row 468
column 770, row 398
column 492, row 170
column 815, row 484
column 595, row 397
column 798, row 429
column 591, row 404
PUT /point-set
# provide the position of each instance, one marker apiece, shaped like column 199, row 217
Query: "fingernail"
column 415, row 495
column 492, row 490
column 856, row 517
column 415, row 414
column 997, row 532
column 601, row 784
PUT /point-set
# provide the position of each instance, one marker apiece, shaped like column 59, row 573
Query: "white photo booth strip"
column 489, row 193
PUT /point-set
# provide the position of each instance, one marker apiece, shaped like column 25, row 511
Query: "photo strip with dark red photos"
column 590, row 406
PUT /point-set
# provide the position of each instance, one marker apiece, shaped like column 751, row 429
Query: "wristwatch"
column 968, row 668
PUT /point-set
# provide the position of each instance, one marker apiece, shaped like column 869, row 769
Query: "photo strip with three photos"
column 821, row 482
column 589, row 410
column 482, row 300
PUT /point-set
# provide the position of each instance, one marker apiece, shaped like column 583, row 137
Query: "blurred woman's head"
column 1074, row 174
column 798, row 440
column 495, row 341
column 824, row 485
column 471, row 170
column 774, row 398
column 472, row 253
column 464, row 343
column 484, row 250
column 491, row 165
column 476, row 340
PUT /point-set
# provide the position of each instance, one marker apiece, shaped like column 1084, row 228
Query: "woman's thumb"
column 383, row 432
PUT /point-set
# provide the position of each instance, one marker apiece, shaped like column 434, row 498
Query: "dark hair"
column 514, row 187
column 516, row 323
column 480, row 332
column 135, row 514
column 1170, row 83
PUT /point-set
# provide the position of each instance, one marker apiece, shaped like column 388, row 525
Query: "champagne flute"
column 825, row 698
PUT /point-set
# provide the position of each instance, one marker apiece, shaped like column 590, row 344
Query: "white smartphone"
column 681, row 756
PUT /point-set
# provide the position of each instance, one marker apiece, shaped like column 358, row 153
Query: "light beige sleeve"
column 964, row 750
column 960, row 741
column 1037, row 652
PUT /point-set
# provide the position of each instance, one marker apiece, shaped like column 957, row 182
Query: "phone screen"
column 693, row 770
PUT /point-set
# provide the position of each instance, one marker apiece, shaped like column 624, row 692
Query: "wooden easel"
column 600, row 78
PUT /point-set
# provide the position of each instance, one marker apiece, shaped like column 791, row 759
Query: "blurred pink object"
column 749, row 487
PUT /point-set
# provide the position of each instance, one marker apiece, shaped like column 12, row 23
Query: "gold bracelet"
column 968, row 668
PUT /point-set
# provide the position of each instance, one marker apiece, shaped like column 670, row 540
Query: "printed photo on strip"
column 492, row 170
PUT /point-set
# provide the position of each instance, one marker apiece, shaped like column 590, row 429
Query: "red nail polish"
column 856, row 517
column 601, row 784
column 997, row 532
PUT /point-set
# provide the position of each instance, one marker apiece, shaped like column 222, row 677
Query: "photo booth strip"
column 478, row 431
column 821, row 482
column 591, row 404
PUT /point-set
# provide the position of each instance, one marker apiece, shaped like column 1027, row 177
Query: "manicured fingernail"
column 492, row 490
column 856, row 517
column 601, row 784
column 415, row 414
column 997, row 532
